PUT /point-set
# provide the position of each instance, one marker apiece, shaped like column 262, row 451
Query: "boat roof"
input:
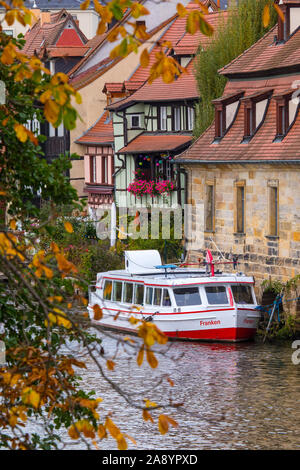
column 145, row 266
column 177, row 277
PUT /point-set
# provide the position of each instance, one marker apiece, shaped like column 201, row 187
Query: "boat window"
column 157, row 296
column 216, row 295
column 139, row 294
column 107, row 290
column 185, row 296
column 117, row 291
column 166, row 298
column 149, row 295
column 128, row 292
column 242, row 294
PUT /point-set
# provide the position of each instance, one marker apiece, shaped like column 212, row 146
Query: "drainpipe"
column 185, row 174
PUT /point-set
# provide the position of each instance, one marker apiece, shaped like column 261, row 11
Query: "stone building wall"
column 260, row 255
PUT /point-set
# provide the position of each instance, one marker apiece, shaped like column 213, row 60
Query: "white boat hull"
column 214, row 324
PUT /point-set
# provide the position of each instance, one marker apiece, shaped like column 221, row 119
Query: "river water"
column 234, row 396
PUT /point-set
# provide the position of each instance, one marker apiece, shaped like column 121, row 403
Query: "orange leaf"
column 110, row 364
column 266, row 16
column 279, row 11
column 98, row 314
column 68, row 227
column 144, row 59
column 153, row 362
column 147, row 416
column 163, row 424
column 140, row 356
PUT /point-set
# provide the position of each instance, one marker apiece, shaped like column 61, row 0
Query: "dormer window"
column 291, row 12
column 286, row 111
column 225, row 111
column 255, row 108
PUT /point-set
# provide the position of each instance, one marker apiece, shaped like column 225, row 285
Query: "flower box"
column 152, row 188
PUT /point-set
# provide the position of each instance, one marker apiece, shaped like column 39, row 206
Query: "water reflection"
column 235, row 396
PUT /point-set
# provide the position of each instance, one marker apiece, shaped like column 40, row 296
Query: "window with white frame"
column 190, row 118
column 177, row 118
column 163, row 118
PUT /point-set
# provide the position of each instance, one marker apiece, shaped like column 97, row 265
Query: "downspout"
column 123, row 164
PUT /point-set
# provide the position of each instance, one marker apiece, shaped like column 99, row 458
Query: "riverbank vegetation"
column 284, row 298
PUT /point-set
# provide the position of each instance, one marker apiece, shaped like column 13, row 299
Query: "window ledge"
column 272, row 237
column 239, row 234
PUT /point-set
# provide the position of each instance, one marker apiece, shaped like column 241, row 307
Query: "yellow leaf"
column 84, row 5
column 144, row 58
column 51, row 111
column 153, row 362
column 68, row 227
column 102, row 431
column 163, row 424
column 112, row 428
column 21, row 133
column 98, row 314
column 13, row 224
column 31, row 397
column 140, row 356
column 122, row 444
column 181, row 10
column 266, row 16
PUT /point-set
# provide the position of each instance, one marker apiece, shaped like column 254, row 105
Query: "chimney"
column 45, row 17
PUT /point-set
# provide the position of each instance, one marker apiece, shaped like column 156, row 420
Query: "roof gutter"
column 213, row 162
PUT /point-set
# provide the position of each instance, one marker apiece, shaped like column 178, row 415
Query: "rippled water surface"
column 242, row 396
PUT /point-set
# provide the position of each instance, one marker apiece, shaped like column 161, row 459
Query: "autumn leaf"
column 101, row 431
column 121, row 442
column 13, row 224
column 112, row 428
column 163, row 423
column 279, row 11
column 147, row 416
column 266, row 16
column 30, row 397
column 98, row 313
column 21, row 133
column 153, row 362
column 84, row 5
column 140, row 356
column 144, row 58
column 68, row 227
column 181, row 10
column 110, row 364
column 51, row 111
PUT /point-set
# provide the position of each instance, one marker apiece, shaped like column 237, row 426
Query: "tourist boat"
column 183, row 302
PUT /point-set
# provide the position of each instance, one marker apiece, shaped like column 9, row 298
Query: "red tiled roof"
column 100, row 133
column 114, row 87
column 48, row 34
column 92, row 73
column 189, row 43
column 262, row 146
column 266, row 57
column 185, row 87
column 70, row 51
column 150, row 143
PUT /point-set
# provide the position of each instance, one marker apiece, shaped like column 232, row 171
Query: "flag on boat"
column 209, row 257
